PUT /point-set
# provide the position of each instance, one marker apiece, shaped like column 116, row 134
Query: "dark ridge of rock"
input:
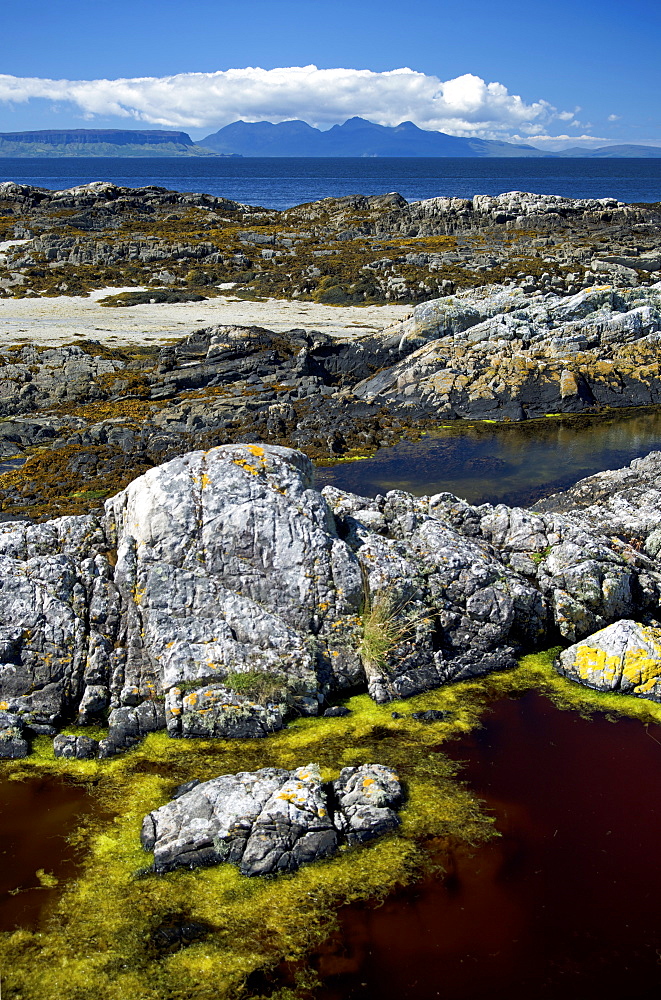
column 272, row 820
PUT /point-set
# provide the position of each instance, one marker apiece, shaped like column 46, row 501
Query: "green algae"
column 98, row 939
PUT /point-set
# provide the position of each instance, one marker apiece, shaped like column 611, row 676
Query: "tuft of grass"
column 261, row 685
column 385, row 624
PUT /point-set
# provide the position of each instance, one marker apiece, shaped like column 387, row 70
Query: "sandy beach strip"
column 64, row 320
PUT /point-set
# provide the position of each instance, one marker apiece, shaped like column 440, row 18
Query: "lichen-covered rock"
column 59, row 615
column 367, row 798
column 129, row 724
column 584, row 580
column 12, row 740
column 624, row 657
column 222, row 594
column 500, row 352
column 624, row 502
column 270, row 820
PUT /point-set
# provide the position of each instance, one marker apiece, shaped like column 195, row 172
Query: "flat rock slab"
column 271, row 820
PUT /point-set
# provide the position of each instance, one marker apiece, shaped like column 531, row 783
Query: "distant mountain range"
column 356, row 137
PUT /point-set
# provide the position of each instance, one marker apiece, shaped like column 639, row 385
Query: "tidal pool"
column 37, row 818
column 564, row 904
column 515, row 464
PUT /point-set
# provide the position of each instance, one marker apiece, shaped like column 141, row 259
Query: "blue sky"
column 503, row 69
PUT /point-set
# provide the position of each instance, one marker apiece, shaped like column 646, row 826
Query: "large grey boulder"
column 271, row 820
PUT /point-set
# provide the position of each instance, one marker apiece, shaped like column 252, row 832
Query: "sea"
column 280, row 183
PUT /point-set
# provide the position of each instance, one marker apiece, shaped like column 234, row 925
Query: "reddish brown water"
column 36, row 817
column 566, row 905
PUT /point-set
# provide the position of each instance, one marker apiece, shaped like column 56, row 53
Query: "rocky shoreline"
column 174, row 585
column 90, row 417
column 217, row 593
column 338, row 250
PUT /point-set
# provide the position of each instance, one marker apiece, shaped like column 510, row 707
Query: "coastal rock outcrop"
column 221, row 594
column 624, row 502
column 504, row 354
column 624, row 657
column 271, row 820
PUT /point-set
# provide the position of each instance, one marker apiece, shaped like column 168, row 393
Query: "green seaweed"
column 97, row 940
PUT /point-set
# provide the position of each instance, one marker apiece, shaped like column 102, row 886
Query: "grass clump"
column 386, row 624
column 261, row 685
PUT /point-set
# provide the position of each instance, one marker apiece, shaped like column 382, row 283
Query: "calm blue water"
column 282, row 182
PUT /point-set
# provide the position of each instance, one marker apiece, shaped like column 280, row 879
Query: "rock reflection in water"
column 515, row 464
column 564, row 904
column 36, row 817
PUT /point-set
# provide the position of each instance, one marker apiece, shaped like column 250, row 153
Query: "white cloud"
column 614, row 118
column 466, row 105
column 553, row 143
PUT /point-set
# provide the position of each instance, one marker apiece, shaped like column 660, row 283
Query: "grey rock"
column 78, row 747
column 12, row 741
column 501, row 352
column 270, row 820
column 624, row 502
column 624, row 657
column 240, row 596
column 367, row 798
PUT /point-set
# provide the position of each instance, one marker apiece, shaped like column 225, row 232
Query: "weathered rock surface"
column 78, row 747
column 331, row 250
column 624, row 657
column 272, row 820
column 59, row 617
column 504, row 354
column 624, row 502
column 12, row 740
column 221, row 594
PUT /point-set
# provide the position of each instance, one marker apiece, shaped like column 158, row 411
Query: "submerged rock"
column 271, row 820
column 624, row 657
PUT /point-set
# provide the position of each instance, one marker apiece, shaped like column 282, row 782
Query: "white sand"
column 63, row 320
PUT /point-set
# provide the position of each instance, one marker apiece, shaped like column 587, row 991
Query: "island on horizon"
column 356, row 137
